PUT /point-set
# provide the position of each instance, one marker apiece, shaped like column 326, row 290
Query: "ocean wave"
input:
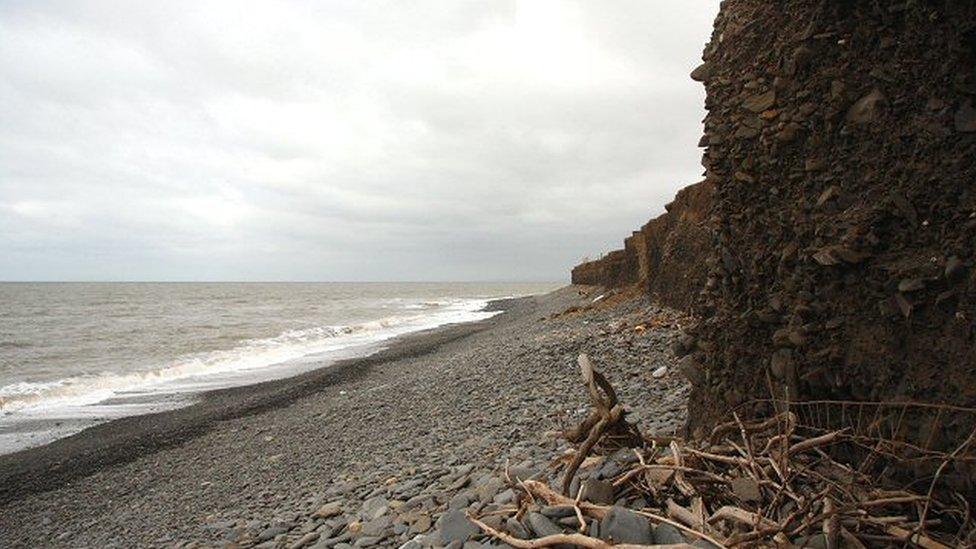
column 248, row 355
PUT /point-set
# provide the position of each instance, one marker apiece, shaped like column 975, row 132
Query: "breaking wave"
column 250, row 355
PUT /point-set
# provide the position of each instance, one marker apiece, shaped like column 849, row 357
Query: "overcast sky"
column 339, row 140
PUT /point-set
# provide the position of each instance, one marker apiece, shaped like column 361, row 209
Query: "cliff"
column 835, row 260
column 666, row 257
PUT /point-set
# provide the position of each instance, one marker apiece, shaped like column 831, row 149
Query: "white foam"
column 261, row 357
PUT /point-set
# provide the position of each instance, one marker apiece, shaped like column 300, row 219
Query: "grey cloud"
column 339, row 140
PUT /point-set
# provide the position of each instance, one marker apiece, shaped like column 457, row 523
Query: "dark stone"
column 455, row 526
column 622, row 525
column 541, row 525
column 965, row 119
column 597, row 491
column 702, row 72
column 515, row 528
column 760, row 102
column 367, row 541
column 666, row 534
column 817, row 541
column 558, row 511
column 459, row 501
column 867, row 108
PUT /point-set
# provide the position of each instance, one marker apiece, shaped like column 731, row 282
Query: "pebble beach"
column 390, row 450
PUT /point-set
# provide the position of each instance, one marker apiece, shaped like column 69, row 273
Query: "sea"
column 76, row 354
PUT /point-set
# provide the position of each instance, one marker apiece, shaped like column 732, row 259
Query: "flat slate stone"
column 377, row 526
column 541, row 525
column 367, row 541
column 665, row 534
column 598, row 491
column 558, row 511
column 515, row 528
column 459, row 501
column 271, row 532
column 622, row 525
column 455, row 526
column 375, row 507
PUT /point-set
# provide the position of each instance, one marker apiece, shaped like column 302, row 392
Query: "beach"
column 251, row 466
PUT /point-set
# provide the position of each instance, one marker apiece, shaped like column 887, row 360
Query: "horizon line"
column 147, row 281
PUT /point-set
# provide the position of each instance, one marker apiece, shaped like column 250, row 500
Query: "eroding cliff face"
column 840, row 140
column 829, row 254
column 666, row 257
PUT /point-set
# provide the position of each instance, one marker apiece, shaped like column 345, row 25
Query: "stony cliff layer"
column 666, row 257
column 841, row 149
column 840, row 138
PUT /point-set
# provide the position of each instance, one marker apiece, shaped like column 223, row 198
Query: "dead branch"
column 606, row 420
column 810, row 469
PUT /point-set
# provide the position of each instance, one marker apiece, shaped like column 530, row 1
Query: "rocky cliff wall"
column 829, row 253
column 666, row 257
column 840, row 139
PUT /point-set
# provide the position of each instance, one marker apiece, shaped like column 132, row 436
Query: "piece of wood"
column 681, row 514
column 815, row 442
column 831, row 526
column 679, row 477
column 595, row 433
column 737, row 514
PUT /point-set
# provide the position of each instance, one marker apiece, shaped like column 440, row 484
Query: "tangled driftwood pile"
column 773, row 482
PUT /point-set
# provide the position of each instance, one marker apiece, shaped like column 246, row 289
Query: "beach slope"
column 252, row 465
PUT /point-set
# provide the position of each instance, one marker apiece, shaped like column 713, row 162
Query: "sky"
column 340, row 140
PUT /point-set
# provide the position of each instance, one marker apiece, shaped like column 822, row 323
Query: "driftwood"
column 764, row 483
column 606, row 420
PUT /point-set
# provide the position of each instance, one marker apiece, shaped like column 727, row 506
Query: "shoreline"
column 251, row 466
column 120, row 440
